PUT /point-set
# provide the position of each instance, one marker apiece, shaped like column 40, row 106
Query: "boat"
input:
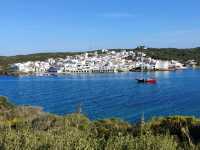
column 150, row 81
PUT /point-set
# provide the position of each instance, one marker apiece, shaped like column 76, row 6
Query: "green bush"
column 111, row 127
column 27, row 139
column 144, row 142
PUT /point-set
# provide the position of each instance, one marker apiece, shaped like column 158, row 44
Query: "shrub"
column 144, row 142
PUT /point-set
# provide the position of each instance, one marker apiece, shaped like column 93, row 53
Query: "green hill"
column 175, row 54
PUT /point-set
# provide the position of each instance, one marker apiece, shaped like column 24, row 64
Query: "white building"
column 177, row 65
column 23, row 67
column 162, row 65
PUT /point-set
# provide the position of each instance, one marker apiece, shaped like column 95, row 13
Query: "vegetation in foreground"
column 29, row 128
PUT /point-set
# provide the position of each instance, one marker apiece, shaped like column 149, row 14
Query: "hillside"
column 6, row 60
column 181, row 55
column 25, row 127
column 158, row 53
column 175, row 54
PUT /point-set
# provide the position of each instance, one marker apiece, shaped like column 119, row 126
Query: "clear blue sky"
column 30, row 26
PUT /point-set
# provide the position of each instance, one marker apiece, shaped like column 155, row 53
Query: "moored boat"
column 150, row 81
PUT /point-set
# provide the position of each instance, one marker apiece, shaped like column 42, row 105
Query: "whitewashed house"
column 178, row 65
column 162, row 65
column 40, row 67
column 192, row 63
column 51, row 61
column 22, row 67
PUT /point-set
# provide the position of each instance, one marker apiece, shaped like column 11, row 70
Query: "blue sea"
column 109, row 95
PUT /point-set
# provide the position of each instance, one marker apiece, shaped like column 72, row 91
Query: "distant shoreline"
column 15, row 74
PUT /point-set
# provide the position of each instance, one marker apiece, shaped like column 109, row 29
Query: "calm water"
column 109, row 95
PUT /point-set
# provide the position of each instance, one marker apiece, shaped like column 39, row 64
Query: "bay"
column 109, row 95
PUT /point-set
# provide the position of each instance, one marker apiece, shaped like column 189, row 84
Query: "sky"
column 32, row 26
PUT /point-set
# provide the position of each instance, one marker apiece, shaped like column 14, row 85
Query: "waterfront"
column 110, row 94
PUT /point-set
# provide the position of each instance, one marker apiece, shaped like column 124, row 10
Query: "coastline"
column 9, row 73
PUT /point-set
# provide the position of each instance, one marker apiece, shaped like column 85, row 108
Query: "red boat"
column 150, row 81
